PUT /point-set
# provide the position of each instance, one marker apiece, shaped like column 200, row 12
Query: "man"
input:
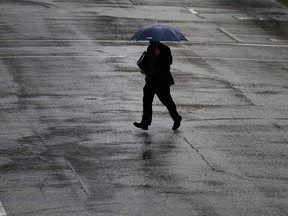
column 158, row 79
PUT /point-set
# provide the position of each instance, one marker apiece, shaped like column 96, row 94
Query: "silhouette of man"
column 156, row 67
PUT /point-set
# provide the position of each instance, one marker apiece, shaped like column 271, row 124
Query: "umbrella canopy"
column 158, row 32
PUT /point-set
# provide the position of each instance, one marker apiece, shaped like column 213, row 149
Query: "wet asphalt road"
column 70, row 91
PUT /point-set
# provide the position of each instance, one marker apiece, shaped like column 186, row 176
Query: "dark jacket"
column 157, row 68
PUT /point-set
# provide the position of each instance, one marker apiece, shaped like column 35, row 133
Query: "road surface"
column 70, row 91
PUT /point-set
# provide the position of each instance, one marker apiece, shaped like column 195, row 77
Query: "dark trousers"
column 163, row 93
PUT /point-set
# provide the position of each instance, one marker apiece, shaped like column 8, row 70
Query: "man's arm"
column 169, row 56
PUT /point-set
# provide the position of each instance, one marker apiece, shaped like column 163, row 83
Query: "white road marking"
column 177, row 57
column 245, row 17
column 248, row 44
column 60, row 40
column 225, row 31
column 278, row 40
column 284, row 44
column 233, row 59
column 193, row 11
column 2, row 210
column 59, row 56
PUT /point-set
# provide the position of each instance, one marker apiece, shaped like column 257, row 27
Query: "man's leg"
column 148, row 96
column 166, row 98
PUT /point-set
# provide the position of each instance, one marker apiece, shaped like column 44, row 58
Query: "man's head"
column 154, row 44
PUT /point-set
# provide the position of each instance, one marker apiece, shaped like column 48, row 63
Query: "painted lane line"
column 283, row 44
column 59, row 56
column 193, row 11
column 177, row 57
column 2, row 210
column 229, row 34
column 278, row 40
column 233, row 59
column 58, row 40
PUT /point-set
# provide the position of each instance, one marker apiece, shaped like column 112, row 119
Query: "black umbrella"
column 158, row 32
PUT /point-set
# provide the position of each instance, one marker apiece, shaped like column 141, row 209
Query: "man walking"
column 158, row 79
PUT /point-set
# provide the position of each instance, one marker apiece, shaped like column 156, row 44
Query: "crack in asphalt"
column 202, row 156
column 76, row 176
column 218, row 170
column 209, row 164
column 70, row 166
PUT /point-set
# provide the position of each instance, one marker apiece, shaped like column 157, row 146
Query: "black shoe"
column 141, row 125
column 177, row 124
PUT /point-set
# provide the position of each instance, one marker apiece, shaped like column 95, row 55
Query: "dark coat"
column 161, row 76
